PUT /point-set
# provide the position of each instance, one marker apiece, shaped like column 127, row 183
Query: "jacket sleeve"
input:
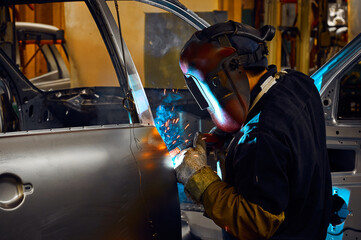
column 241, row 218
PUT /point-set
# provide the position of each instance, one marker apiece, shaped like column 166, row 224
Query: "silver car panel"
column 343, row 142
column 93, row 182
column 100, row 183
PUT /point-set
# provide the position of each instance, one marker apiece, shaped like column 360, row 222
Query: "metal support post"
column 354, row 23
column 273, row 17
column 303, row 41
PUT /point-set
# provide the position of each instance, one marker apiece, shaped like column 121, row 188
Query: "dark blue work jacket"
column 279, row 160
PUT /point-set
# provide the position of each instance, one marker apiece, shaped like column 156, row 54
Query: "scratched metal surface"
column 88, row 185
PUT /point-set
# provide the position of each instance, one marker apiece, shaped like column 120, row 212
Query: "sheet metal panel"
column 88, row 184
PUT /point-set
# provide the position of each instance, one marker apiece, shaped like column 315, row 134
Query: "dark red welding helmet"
column 211, row 61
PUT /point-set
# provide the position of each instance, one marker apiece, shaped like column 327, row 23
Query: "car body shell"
column 66, row 176
column 343, row 135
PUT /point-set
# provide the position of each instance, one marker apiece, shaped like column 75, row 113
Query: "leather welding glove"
column 193, row 171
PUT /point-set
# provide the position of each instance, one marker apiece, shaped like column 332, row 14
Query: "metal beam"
column 354, row 24
column 303, row 41
column 273, row 17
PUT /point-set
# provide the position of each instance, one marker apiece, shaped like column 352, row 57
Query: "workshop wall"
column 133, row 21
column 165, row 36
column 132, row 16
column 82, row 43
column 90, row 64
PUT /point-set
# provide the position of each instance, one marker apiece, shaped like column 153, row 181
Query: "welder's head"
column 213, row 62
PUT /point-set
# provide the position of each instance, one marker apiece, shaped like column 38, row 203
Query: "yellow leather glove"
column 192, row 170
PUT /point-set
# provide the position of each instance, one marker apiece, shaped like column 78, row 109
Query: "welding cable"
column 121, row 39
column 345, row 229
column 132, row 133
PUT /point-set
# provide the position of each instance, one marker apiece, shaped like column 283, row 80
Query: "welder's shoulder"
column 287, row 99
column 300, row 88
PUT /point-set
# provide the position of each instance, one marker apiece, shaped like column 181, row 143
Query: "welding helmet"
column 211, row 62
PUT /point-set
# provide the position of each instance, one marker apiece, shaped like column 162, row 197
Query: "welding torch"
column 215, row 139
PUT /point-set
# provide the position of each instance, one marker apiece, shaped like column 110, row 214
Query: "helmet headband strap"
column 234, row 73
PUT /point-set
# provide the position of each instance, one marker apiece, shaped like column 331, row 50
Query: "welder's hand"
column 190, row 160
column 193, row 171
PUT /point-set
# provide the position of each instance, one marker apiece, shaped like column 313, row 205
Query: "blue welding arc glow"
column 332, row 230
column 318, row 76
column 337, row 62
column 138, row 95
column 168, row 121
column 143, row 102
column 219, row 170
column 178, row 159
column 248, row 128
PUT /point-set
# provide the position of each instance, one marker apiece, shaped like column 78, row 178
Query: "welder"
column 276, row 183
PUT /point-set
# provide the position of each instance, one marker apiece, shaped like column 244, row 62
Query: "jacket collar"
column 271, row 71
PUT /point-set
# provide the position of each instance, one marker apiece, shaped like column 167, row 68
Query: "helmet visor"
column 209, row 94
column 196, row 91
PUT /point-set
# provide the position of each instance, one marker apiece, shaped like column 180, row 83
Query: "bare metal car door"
column 87, row 184
column 64, row 180
column 339, row 83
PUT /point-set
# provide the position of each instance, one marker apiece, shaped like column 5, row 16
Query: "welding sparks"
column 169, row 124
column 168, row 119
column 174, row 152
